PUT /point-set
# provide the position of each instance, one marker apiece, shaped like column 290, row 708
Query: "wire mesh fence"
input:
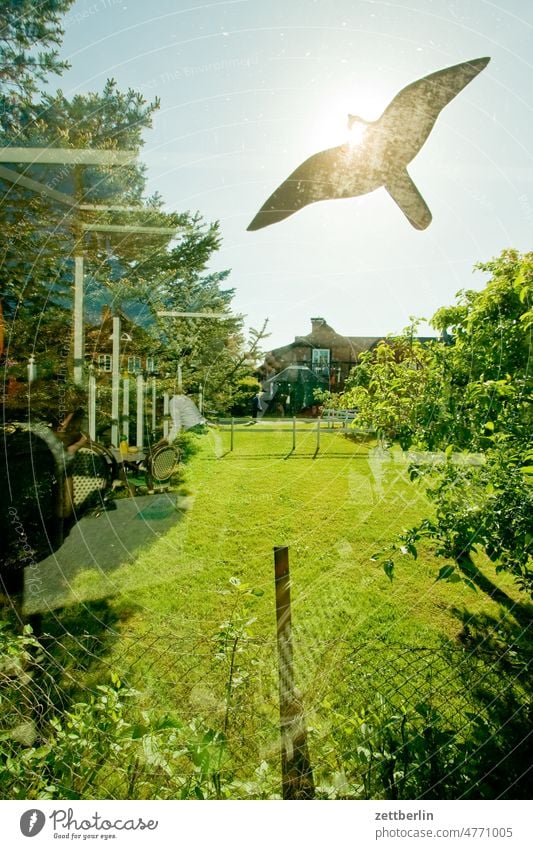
column 84, row 713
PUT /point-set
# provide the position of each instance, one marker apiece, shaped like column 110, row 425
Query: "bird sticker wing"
column 313, row 180
column 409, row 118
column 404, row 192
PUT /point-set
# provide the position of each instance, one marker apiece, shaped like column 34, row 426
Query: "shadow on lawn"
column 522, row 612
column 485, row 751
column 101, row 544
column 499, row 746
column 442, row 723
column 42, row 675
column 292, row 455
column 496, row 673
column 75, row 641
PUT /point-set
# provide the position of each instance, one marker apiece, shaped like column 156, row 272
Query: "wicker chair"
column 161, row 463
column 93, row 470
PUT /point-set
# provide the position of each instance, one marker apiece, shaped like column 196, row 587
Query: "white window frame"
column 104, row 362
column 134, row 364
column 320, row 358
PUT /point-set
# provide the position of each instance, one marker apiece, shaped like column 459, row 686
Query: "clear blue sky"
column 250, row 88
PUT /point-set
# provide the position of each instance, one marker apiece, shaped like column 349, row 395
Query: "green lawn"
column 175, row 627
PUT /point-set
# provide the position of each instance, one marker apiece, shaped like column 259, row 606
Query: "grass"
column 199, row 646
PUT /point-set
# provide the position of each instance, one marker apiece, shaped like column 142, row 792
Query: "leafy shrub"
column 104, row 745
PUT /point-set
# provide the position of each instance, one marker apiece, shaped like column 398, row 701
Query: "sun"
column 356, row 132
column 329, row 127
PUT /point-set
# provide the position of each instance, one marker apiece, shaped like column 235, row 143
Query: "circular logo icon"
column 32, row 822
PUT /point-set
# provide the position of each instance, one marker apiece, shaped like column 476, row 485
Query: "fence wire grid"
column 79, row 720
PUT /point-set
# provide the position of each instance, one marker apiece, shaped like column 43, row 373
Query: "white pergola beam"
column 34, row 185
column 61, row 197
column 174, row 314
column 66, row 156
column 103, row 207
column 130, row 228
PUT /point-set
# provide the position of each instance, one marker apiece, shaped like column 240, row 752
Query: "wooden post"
column 32, row 369
column 296, row 772
column 165, row 415
column 78, row 320
column 294, row 433
column 140, row 411
column 154, row 403
column 232, row 435
column 2, row 328
column 91, row 402
column 115, row 382
column 126, row 407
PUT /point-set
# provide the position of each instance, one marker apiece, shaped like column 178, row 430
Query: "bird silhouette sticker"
column 378, row 155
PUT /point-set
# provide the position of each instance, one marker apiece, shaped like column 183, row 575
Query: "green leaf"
column 454, row 579
column 445, row 573
column 412, row 549
column 388, row 568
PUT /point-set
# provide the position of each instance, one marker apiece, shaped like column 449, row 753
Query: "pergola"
column 76, row 207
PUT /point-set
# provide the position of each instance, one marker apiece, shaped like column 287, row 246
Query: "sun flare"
column 329, row 126
column 356, row 133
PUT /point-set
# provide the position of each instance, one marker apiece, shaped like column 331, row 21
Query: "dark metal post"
column 294, row 433
column 296, row 771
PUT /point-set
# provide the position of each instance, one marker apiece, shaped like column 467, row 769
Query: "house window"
column 104, row 362
column 134, row 365
column 150, row 364
column 320, row 359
